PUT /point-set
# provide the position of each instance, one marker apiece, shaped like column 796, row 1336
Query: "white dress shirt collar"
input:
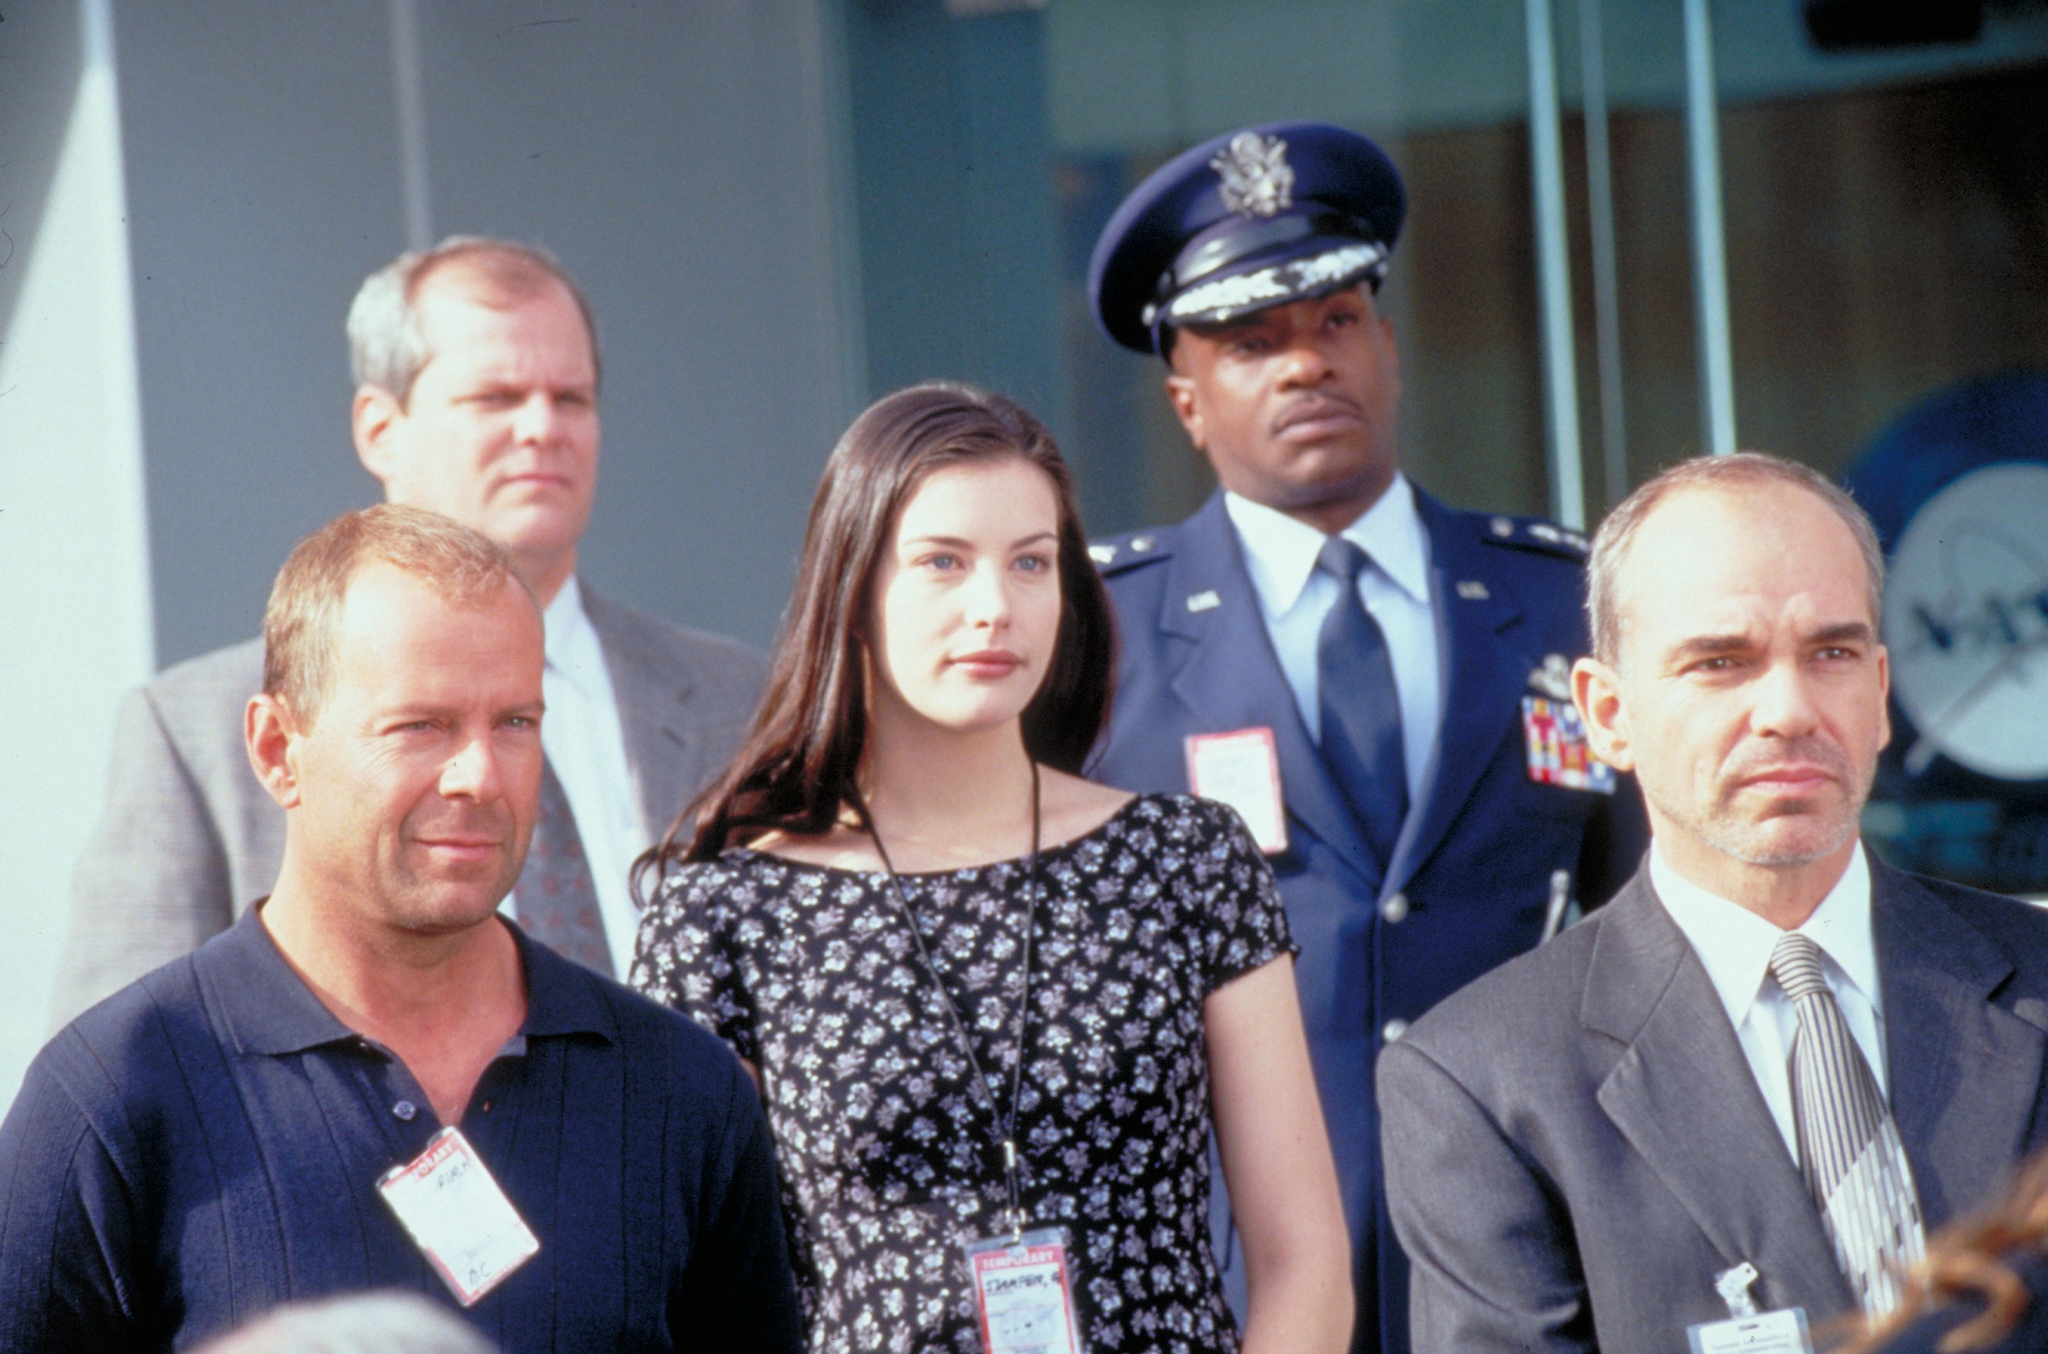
column 573, row 652
column 1280, row 551
column 1734, row 944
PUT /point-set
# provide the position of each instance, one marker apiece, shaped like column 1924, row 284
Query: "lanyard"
column 1006, row 1122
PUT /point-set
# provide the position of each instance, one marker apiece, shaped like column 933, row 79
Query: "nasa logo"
column 1966, row 616
column 1958, row 489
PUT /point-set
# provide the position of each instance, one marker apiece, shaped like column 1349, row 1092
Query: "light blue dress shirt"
column 1294, row 597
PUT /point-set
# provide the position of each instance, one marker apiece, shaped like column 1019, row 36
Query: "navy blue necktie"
column 1360, row 707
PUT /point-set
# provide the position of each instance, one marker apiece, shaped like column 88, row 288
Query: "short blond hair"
column 299, row 624
column 1743, row 470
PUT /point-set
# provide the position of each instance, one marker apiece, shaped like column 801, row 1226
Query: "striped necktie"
column 556, row 896
column 1849, row 1148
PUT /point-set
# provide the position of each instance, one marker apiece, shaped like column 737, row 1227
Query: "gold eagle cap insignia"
column 1257, row 180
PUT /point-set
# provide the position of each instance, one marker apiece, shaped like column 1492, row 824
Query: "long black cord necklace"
column 1005, row 1120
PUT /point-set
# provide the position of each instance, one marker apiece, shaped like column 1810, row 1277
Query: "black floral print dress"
column 891, row 1158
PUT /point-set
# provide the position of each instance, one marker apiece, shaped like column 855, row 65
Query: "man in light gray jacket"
column 476, row 369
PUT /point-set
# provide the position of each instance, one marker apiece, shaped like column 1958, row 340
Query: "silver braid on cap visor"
column 1222, row 300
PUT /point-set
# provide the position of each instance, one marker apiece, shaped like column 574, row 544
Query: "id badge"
column 1024, row 1290
column 457, row 1215
column 1557, row 750
column 1242, row 769
column 1779, row 1332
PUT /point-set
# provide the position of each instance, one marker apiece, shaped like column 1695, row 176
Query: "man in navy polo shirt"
column 372, row 1080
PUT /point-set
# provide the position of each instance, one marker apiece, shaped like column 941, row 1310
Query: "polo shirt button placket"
column 405, row 1110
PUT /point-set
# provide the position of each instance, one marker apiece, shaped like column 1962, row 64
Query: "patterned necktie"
column 557, row 899
column 1849, row 1148
column 1359, row 705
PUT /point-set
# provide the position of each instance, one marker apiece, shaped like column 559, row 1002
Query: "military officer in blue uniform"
column 1376, row 681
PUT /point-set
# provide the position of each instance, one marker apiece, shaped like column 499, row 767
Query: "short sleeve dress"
column 890, row 1157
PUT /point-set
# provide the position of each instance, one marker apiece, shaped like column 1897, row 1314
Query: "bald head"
column 1747, row 472
column 1742, row 679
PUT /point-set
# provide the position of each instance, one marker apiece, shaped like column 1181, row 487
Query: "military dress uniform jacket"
column 1479, row 855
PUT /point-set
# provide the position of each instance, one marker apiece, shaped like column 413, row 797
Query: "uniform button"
column 1393, row 1029
column 1395, row 909
column 405, row 1110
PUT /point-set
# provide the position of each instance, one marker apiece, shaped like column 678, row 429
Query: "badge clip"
column 1011, row 1210
column 1733, row 1286
column 1748, row 1330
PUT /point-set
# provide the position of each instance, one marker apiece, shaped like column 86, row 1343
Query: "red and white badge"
column 457, row 1215
column 1242, row 769
column 1025, row 1293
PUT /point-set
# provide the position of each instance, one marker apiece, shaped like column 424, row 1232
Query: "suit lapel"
column 1962, row 1072
column 1482, row 679
column 653, row 695
column 1229, row 678
column 1683, row 1095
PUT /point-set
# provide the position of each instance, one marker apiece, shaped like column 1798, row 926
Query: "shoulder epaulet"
column 1119, row 553
column 1539, row 534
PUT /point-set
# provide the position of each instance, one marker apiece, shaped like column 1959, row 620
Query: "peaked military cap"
column 1254, row 218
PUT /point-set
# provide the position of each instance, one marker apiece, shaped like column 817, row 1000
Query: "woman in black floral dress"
column 989, row 1003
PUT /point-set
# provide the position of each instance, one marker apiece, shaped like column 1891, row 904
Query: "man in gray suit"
column 476, row 369
column 1752, row 1082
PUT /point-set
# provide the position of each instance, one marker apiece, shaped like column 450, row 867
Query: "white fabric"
column 1294, row 597
column 1734, row 945
column 585, row 743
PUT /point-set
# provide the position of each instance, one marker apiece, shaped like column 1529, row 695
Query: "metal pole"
column 408, row 91
column 1709, row 250
column 1553, row 274
column 1606, row 289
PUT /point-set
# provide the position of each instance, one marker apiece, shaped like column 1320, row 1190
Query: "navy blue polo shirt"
column 205, row 1144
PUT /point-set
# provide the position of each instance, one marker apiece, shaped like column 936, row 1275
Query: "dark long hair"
column 795, row 770
column 1974, row 1258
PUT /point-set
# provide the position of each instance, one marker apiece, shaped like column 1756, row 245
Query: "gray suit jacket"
column 1575, row 1145
column 188, row 838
